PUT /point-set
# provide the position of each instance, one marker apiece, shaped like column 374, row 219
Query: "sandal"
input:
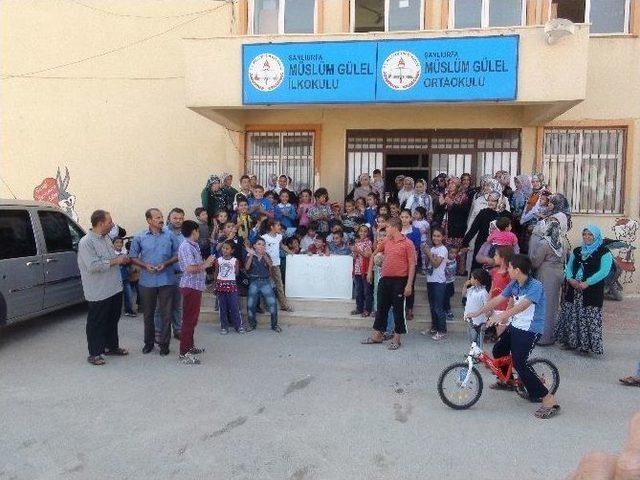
column 630, row 381
column 366, row 314
column 370, row 341
column 355, row 312
column 387, row 336
column 547, row 412
column 409, row 314
column 120, row 352
column 98, row 360
column 394, row 345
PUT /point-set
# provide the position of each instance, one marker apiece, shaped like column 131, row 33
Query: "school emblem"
column 401, row 70
column 266, row 72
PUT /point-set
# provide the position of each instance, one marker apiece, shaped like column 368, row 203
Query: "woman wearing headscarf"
column 488, row 186
column 504, row 178
column 558, row 208
column 364, row 187
column 520, row 195
column 533, row 209
column 548, row 255
column 213, row 197
column 580, row 320
column 481, row 224
column 408, row 191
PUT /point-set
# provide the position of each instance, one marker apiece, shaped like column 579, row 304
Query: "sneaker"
column 449, row 315
column 188, row 359
column 224, row 331
column 196, row 351
column 241, row 330
column 147, row 348
column 439, row 336
column 164, row 351
column 130, row 314
column 276, row 329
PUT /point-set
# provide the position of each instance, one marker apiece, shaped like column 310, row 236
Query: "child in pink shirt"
column 303, row 208
column 503, row 236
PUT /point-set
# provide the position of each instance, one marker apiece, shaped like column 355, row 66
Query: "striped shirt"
column 189, row 254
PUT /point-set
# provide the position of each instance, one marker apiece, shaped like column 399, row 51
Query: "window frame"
column 580, row 155
column 587, row 18
column 352, row 18
column 485, row 10
column 627, row 20
column 281, row 6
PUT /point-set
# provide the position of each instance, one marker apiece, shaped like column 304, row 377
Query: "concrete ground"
column 309, row 403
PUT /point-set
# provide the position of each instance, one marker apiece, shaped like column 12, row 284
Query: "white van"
column 38, row 260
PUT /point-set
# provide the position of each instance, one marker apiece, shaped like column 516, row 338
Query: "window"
column 404, row 15
column 57, row 229
column 609, row 16
column 16, row 235
column 486, row 13
column 386, row 15
column 270, row 154
column 368, row 16
column 587, row 166
column 573, row 10
column 272, row 17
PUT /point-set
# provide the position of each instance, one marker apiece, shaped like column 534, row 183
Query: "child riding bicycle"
column 526, row 321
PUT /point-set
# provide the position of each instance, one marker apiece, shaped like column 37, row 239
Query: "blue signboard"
column 382, row 71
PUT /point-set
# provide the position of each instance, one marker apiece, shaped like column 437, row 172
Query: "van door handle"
column 49, row 260
column 30, row 264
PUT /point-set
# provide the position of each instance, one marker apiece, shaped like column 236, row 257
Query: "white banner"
column 319, row 277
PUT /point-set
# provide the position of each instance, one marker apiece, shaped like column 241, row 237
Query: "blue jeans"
column 257, row 287
column 436, row 293
column 176, row 314
column 364, row 293
column 127, row 294
column 391, row 324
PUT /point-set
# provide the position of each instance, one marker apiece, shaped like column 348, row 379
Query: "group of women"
column 573, row 278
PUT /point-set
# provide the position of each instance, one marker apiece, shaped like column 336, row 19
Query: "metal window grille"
column 586, row 165
column 271, row 154
column 454, row 152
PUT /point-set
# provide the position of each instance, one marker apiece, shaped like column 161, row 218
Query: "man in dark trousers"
column 398, row 270
column 100, row 272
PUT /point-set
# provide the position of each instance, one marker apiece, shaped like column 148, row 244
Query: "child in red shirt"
column 499, row 280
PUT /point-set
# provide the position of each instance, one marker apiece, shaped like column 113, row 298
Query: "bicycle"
column 466, row 381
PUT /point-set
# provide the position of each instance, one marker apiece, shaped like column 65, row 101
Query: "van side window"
column 57, row 233
column 16, row 235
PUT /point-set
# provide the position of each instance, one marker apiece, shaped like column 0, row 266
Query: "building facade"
column 321, row 90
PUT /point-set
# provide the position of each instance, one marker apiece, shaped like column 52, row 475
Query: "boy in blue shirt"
column 526, row 322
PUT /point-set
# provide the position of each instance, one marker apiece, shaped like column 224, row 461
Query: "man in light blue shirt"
column 174, row 227
column 155, row 251
column 526, row 317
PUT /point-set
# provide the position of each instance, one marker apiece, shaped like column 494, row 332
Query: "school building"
column 140, row 101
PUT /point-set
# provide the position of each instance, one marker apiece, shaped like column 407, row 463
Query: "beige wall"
column 128, row 144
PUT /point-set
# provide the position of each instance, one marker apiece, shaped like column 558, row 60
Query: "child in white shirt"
column 478, row 287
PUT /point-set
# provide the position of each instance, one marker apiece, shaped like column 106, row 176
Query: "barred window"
column 271, row 154
column 586, row 165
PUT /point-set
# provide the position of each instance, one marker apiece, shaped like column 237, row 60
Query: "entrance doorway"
column 426, row 153
column 414, row 165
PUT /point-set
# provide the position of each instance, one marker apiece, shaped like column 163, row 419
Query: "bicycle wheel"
column 548, row 374
column 450, row 388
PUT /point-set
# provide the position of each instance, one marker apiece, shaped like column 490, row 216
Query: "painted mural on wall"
column 55, row 191
column 626, row 230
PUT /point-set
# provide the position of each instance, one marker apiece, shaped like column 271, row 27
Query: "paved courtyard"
column 310, row 403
